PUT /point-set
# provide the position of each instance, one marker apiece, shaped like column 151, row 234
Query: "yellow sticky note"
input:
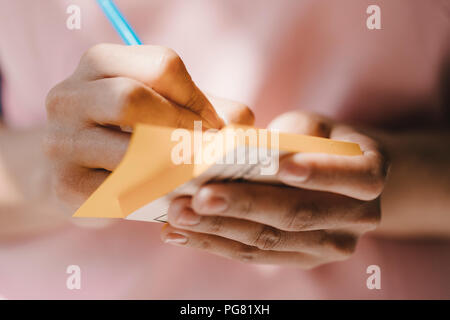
column 162, row 163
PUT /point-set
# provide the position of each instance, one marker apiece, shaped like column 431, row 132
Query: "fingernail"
column 175, row 238
column 187, row 217
column 215, row 205
column 210, row 203
column 293, row 172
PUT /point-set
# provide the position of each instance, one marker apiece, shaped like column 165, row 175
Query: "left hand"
column 327, row 203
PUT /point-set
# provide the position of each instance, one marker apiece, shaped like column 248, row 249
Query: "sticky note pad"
column 162, row 163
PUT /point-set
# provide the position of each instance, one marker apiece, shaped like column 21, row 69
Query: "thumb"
column 301, row 122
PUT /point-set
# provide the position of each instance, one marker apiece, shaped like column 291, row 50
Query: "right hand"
column 114, row 87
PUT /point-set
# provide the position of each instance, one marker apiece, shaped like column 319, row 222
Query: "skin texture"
column 327, row 204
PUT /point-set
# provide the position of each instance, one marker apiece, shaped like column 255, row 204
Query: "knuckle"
column 304, row 123
column 205, row 244
column 318, row 127
column 51, row 146
column 131, row 93
column 267, row 238
column 245, row 254
column 170, row 63
column 129, row 97
column 246, row 208
column 245, row 115
column 298, row 216
column 66, row 187
column 371, row 216
column 63, row 180
column 94, row 54
column 377, row 174
column 342, row 246
column 60, row 187
column 55, row 99
column 193, row 99
column 244, row 205
column 215, row 225
column 51, row 101
column 72, row 185
column 179, row 119
column 58, row 143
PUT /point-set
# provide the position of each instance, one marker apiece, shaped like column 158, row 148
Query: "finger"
column 96, row 148
column 235, row 250
column 73, row 184
column 159, row 68
column 232, row 111
column 258, row 235
column 284, row 208
column 300, row 122
column 125, row 102
column 360, row 177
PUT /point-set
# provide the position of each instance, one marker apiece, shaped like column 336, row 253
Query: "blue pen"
column 130, row 38
column 119, row 22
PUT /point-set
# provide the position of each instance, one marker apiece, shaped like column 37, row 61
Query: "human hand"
column 115, row 87
column 326, row 204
